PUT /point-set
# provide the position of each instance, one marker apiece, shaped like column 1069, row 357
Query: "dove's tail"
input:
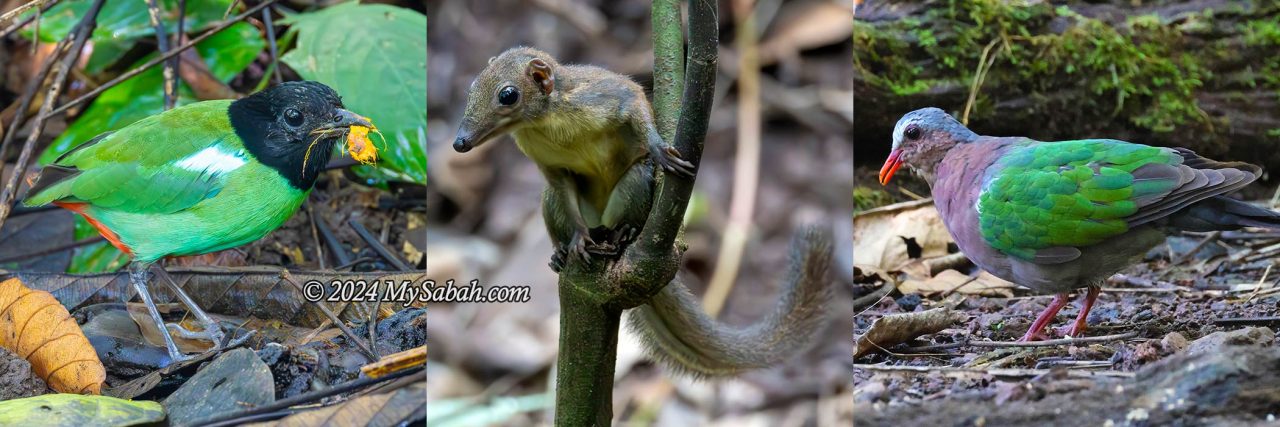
column 1223, row 213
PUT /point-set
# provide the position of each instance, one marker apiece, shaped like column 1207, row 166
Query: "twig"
column 746, row 169
column 53, row 250
column 172, row 52
column 18, row 25
column 28, row 96
column 271, row 40
column 871, row 299
column 1000, row 373
column 162, row 42
column 284, row 274
column 1017, row 344
column 1240, row 321
column 979, row 76
column 335, row 247
column 177, row 40
column 20, row 9
column 353, row 263
column 80, row 33
column 241, row 417
column 315, row 234
column 1199, row 245
column 377, row 246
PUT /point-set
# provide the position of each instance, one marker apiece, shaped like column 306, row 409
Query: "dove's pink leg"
column 1077, row 329
column 1046, row 316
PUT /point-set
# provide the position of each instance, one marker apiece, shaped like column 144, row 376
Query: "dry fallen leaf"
column 401, row 407
column 142, row 317
column 878, row 234
column 36, row 327
column 898, row 328
column 954, row 281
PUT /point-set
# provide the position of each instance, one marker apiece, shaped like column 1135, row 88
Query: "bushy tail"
column 1223, row 213
column 679, row 334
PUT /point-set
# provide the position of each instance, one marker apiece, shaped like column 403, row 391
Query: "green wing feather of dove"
column 1069, row 194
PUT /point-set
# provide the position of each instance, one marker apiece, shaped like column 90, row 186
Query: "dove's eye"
column 912, row 132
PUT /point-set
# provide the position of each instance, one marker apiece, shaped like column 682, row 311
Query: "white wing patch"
column 213, row 160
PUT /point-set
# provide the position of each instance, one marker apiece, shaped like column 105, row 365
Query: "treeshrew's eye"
column 508, row 96
column 912, row 132
column 293, row 117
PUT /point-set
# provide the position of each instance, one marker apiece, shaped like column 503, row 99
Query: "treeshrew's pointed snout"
column 891, row 166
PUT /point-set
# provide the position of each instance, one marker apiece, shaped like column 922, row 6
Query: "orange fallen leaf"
column 36, row 327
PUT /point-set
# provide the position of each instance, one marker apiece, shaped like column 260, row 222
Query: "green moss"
column 865, row 198
column 1136, row 70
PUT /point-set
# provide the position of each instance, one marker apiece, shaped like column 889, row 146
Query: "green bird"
column 200, row 178
column 1065, row 215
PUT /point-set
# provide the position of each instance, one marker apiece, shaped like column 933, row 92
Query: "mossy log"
column 1202, row 74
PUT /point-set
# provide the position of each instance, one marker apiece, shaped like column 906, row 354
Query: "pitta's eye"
column 293, row 117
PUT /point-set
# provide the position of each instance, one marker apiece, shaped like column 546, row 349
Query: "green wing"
column 1042, row 201
column 160, row 164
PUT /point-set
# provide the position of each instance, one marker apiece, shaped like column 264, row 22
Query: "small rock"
column 909, row 302
column 235, row 381
column 870, row 392
column 1173, row 342
column 1247, row 336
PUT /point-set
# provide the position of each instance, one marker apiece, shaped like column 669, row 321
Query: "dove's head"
column 921, row 139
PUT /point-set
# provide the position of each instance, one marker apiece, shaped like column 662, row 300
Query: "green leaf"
column 227, row 53
column 124, row 19
column 496, row 410
column 375, row 56
column 78, row 410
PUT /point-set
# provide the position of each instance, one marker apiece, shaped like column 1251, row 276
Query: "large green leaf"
column 77, row 410
column 125, row 19
column 376, row 57
column 226, row 53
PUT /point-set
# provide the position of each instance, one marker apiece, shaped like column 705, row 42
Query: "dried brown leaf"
column 898, row 328
column 949, row 281
column 878, row 234
column 34, row 326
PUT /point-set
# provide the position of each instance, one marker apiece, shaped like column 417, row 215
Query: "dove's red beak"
column 891, row 165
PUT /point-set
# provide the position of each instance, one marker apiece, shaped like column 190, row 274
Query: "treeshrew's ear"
column 540, row 71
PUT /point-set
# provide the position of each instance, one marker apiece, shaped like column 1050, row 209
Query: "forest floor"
column 1188, row 337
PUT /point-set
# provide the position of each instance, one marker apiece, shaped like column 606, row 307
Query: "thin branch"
column 340, row 253
column 668, row 66
column 672, row 200
column 1020, row 344
column 238, row 418
column 271, row 41
column 364, row 347
column 28, row 96
column 18, row 25
column 23, row 8
column 80, row 34
column 377, row 246
column 172, row 52
column 999, row 372
column 162, row 42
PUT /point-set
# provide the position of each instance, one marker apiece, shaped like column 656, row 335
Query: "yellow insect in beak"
column 360, row 147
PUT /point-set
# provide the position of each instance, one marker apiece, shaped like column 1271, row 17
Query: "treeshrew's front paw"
column 669, row 159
